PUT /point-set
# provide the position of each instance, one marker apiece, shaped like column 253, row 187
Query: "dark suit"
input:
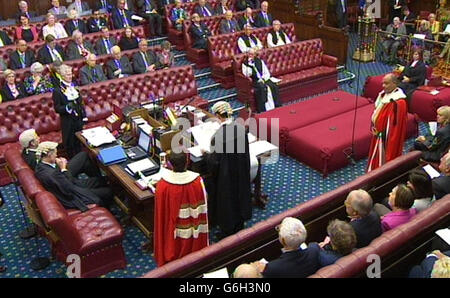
column 73, row 192
column 73, row 53
column 100, row 46
column 294, row 264
column 15, row 63
column 7, row 95
column 45, row 57
column 103, row 4
column 124, row 64
column 416, row 75
column 261, row 22
column 90, row 75
column 228, row 26
column 70, row 27
column 220, row 10
column 31, row 14
column 84, row 7
column 154, row 19
column 341, row 13
column 441, row 186
column 395, row 12
column 199, row 35
column 94, row 26
column 203, row 11
column 139, row 66
column 410, row 22
column 244, row 20
column 366, row 229
column 118, row 18
column 5, row 38
column 242, row 5
column 425, row 268
column 130, row 4
column 29, row 155
column 435, row 147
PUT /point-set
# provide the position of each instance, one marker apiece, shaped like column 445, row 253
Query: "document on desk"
column 221, row 273
column 261, row 147
column 444, row 234
column 431, row 171
column 98, row 136
column 204, row 132
column 141, row 165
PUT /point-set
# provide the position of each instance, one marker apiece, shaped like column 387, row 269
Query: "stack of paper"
column 431, row 171
column 261, row 147
column 98, row 136
column 203, row 134
column 444, row 234
column 141, row 165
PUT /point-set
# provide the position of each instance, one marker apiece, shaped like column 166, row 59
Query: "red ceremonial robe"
column 389, row 128
column 181, row 218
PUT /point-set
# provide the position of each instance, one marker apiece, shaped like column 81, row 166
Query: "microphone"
column 191, row 100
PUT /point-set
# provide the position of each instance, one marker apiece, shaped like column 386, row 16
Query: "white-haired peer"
column 37, row 83
column 277, row 37
column 297, row 259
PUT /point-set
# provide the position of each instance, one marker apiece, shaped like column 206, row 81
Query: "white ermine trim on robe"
column 192, row 212
column 179, row 178
column 191, row 232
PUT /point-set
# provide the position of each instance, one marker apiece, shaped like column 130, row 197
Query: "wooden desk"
column 140, row 202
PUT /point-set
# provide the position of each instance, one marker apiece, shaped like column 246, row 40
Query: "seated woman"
column 434, row 26
column 165, row 58
column 26, row 31
column 424, row 29
column 401, row 199
column 12, row 90
column 54, row 28
column 340, row 242
column 434, row 147
column 37, row 83
column 128, row 41
column 421, row 183
column 413, row 75
column 178, row 15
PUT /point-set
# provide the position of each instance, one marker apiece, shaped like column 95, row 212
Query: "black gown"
column 228, row 185
column 70, row 122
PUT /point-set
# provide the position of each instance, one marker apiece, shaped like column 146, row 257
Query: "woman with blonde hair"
column 12, row 90
column 434, row 147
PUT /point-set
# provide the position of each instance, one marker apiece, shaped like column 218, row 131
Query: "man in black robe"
column 60, row 180
column 228, row 185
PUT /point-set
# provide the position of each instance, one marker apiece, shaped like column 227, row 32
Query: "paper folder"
column 112, row 155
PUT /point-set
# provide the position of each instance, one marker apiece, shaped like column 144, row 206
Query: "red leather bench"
column 294, row 116
column 324, row 145
column 176, row 84
column 92, row 37
column 222, row 48
column 303, row 68
column 261, row 240
column 390, row 246
column 175, row 36
column 95, row 235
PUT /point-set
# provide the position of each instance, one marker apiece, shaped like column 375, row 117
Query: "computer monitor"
column 144, row 141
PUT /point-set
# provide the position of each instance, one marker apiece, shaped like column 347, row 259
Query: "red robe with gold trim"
column 389, row 122
column 181, row 218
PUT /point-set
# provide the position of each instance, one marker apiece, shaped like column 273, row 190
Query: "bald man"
column 246, row 271
column 389, row 121
column 118, row 66
column 276, row 36
column 199, row 32
column 228, row 25
column 91, row 73
column 144, row 60
column 364, row 220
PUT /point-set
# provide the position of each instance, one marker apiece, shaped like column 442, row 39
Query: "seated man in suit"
column 75, row 23
column 229, row 25
column 148, row 10
column 393, row 42
column 119, row 66
column 363, row 219
column 22, row 57
column 57, row 9
column 96, row 22
column 242, row 5
column 247, row 19
column 221, row 8
column 80, row 6
column 199, row 32
column 51, row 51
column 203, row 9
column 145, row 59
column 263, row 18
column 435, row 265
column 104, row 5
column 105, row 43
column 277, row 37
column 61, row 179
column 4, row 39
column 297, row 259
column 409, row 19
column 441, row 185
column 248, row 41
column 78, row 47
column 23, row 9
column 128, row 5
column 121, row 17
column 91, row 73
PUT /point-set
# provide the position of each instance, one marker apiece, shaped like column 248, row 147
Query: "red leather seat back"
column 30, row 184
column 15, row 161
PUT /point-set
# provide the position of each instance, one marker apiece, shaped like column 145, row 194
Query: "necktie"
column 144, row 56
column 125, row 21
column 148, row 5
column 108, row 46
column 94, row 75
column 229, row 25
column 75, row 22
column 266, row 18
column 104, row 4
column 117, row 62
column 22, row 59
column 343, row 5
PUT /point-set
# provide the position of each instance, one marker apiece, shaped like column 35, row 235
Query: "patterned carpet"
column 287, row 183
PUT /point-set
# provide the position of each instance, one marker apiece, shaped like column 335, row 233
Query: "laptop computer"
column 142, row 148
